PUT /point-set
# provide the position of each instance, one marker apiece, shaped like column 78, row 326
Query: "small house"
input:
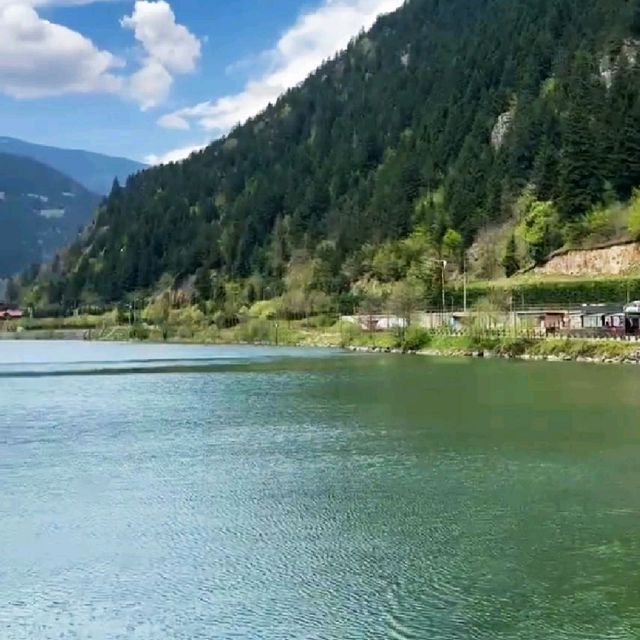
column 555, row 321
column 632, row 318
column 11, row 314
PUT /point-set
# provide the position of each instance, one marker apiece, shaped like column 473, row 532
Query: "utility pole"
column 444, row 303
column 628, row 292
column 464, row 284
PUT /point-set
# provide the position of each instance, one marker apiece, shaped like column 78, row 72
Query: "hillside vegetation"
column 443, row 120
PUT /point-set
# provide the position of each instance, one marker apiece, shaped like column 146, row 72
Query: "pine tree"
column 628, row 156
column 580, row 171
column 580, row 186
column 510, row 260
column 545, row 169
column 202, row 284
column 13, row 291
column 635, row 19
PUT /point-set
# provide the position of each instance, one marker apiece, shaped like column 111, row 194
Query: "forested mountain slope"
column 425, row 130
column 41, row 211
column 94, row 171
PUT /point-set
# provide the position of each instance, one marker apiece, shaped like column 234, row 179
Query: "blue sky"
column 153, row 79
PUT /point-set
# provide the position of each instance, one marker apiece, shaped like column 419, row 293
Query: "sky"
column 153, row 80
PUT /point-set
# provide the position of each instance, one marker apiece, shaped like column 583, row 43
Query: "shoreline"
column 522, row 349
column 631, row 358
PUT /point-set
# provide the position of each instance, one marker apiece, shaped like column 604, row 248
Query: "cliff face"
column 615, row 260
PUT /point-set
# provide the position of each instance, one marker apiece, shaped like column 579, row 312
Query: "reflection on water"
column 260, row 493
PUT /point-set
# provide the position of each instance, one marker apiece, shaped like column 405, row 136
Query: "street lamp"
column 464, row 283
column 444, row 304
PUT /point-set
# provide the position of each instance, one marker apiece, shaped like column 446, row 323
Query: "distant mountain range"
column 92, row 170
column 41, row 210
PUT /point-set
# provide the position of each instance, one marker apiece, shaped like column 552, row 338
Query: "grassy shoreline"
column 340, row 335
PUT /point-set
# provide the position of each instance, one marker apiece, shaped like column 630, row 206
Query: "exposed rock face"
column 501, row 128
column 609, row 65
column 614, row 260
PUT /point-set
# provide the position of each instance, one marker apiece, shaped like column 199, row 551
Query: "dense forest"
column 448, row 118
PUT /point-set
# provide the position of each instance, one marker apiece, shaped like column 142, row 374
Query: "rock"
column 502, row 128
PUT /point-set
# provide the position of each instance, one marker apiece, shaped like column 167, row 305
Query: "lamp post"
column 464, row 283
column 444, row 304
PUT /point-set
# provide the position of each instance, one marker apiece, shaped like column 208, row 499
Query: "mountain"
column 94, row 171
column 446, row 119
column 41, row 210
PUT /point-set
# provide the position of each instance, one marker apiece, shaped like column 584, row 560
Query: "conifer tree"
column 510, row 261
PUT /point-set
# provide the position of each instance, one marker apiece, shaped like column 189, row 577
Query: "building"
column 632, row 318
column 10, row 314
column 376, row 322
column 584, row 320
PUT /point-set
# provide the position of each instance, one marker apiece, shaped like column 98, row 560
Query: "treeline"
column 432, row 125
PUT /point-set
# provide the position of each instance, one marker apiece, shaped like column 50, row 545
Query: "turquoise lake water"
column 173, row 492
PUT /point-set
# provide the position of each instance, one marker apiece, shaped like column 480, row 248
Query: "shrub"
column 634, row 216
column 541, row 225
column 514, row 347
column 350, row 333
column 416, row 338
column 139, row 332
column 265, row 309
column 255, row 331
column 319, row 322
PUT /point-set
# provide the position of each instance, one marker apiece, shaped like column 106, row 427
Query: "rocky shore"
column 632, row 357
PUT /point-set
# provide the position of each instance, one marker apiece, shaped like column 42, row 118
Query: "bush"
column 416, row 338
column 225, row 320
column 320, row 322
column 184, row 332
column 264, row 309
column 514, row 347
column 139, row 332
column 541, row 229
column 634, row 216
column 351, row 333
column 256, row 331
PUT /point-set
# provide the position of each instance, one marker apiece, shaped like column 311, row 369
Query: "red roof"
column 11, row 314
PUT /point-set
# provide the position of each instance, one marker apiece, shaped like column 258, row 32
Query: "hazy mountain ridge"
column 41, row 210
column 94, row 171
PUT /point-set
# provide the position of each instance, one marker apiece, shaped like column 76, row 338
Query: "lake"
column 177, row 492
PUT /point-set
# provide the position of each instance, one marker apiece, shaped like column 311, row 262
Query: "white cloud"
column 53, row 3
column 172, row 121
column 174, row 155
column 40, row 58
column 169, row 48
column 315, row 36
column 150, row 85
